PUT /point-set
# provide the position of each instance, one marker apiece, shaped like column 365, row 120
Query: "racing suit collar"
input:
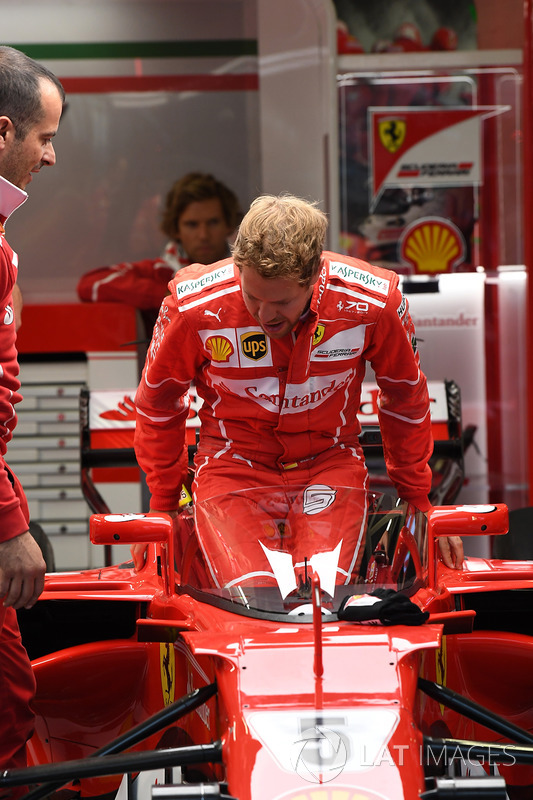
column 11, row 197
column 319, row 287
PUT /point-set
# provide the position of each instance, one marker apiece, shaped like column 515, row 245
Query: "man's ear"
column 6, row 127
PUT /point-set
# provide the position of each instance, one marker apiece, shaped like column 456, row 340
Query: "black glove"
column 383, row 606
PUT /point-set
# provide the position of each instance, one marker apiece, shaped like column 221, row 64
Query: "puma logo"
column 212, row 313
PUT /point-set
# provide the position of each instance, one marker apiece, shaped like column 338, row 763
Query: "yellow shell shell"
column 432, row 247
column 220, row 347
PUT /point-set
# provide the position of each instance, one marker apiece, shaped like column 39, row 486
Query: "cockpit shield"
column 258, row 549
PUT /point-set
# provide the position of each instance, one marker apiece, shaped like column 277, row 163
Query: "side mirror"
column 468, row 520
column 130, row 528
column 463, row 520
column 142, row 529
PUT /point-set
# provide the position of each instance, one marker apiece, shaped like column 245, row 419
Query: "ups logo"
column 254, row 345
column 318, row 334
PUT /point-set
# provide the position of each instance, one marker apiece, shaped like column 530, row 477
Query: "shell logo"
column 432, row 245
column 219, row 347
column 332, row 793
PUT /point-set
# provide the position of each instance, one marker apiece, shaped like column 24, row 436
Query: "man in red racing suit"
column 31, row 103
column 278, row 362
column 17, row 684
column 199, row 214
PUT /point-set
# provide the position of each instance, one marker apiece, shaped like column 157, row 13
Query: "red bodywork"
column 279, row 680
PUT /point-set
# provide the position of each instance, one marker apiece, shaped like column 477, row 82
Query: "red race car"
column 287, row 661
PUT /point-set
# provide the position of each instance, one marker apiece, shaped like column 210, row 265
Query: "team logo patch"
column 346, row 344
column 318, row 334
column 219, row 347
column 254, row 345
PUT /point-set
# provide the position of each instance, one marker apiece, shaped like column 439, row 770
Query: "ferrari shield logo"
column 168, row 671
column 319, row 333
column 441, row 666
column 392, row 133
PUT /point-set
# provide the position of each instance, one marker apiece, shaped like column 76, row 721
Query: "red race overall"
column 278, row 411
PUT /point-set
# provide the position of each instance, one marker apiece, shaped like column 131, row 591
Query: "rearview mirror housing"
column 130, row 528
column 469, row 520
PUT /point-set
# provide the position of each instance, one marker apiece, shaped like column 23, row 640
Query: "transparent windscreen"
column 260, row 548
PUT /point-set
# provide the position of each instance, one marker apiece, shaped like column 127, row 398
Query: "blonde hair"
column 281, row 237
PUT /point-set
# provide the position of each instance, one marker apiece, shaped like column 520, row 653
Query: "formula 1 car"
column 287, row 659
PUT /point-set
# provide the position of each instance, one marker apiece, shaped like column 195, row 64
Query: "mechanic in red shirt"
column 31, row 104
column 276, row 341
column 200, row 214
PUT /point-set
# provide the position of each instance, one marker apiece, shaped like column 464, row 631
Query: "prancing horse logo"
column 392, row 133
